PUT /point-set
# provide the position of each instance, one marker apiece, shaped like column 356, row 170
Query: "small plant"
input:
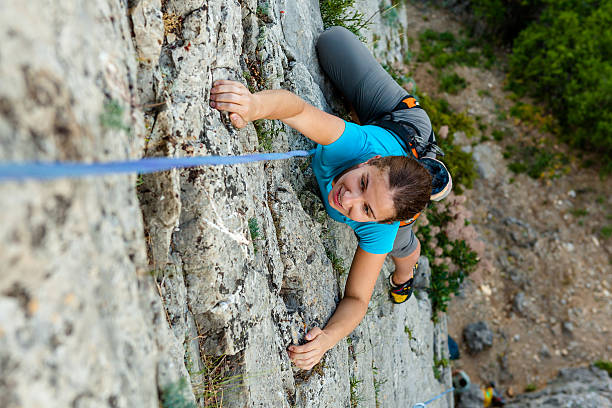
column 389, row 15
column 445, row 281
column 216, row 380
column 534, row 116
column 531, row 387
column 579, row 212
column 336, row 261
column 408, row 331
column 443, row 49
column 604, row 365
column 265, row 134
column 606, row 232
column 254, row 230
column 355, row 395
column 337, row 13
column 497, row 134
column 536, row 162
column 484, row 92
column 452, row 83
column 173, row 395
column 112, row 116
column 377, row 384
column 459, row 163
column 438, row 366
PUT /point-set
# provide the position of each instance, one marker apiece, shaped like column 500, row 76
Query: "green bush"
column 444, row 283
column 443, row 49
column 536, row 162
column 452, row 83
column 459, row 163
column 505, row 18
column 336, row 13
column 565, row 59
column 604, row 365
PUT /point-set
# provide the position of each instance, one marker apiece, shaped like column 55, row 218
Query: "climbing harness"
column 15, row 171
column 422, row 150
column 423, row 404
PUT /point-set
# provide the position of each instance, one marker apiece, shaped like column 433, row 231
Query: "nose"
column 351, row 200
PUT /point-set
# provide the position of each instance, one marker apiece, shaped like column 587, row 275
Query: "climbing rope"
column 423, row 404
column 14, row 171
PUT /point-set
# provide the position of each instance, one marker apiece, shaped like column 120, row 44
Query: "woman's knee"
column 331, row 34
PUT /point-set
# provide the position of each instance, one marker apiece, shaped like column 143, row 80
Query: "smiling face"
column 362, row 194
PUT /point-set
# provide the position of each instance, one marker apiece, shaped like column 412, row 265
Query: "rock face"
column 586, row 387
column 115, row 288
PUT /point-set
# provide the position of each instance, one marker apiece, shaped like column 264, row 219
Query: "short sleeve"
column 351, row 145
column 376, row 238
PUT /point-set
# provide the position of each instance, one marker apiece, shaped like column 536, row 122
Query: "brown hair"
column 409, row 182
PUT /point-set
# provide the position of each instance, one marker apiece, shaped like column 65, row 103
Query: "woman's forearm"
column 348, row 315
column 277, row 104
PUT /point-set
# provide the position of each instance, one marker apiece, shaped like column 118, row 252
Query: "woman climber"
column 368, row 175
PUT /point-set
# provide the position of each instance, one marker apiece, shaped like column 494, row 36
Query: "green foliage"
column 443, row 49
column 497, row 134
column 579, row 212
column 606, row 232
column 536, row 162
column 604, row 365
column 139, row 180
column 336, row 261
column 565, row 59
column 534, row 116
column 389, row 15
column 408, row 331
column 452, row 83
column 336, row 13
column 459, row 163
column 444, row 282
column 112, row 116
column 378, row 383
column 505, row 18
column 254, row 230
column 355, row 395
column 438, row 365
column 530, row 387
column 173, row 395
column 266, row 133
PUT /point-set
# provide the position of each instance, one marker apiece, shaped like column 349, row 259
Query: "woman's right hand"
column 235, row 98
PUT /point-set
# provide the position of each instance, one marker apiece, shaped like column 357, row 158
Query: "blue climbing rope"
column 423, row 404
column 14, row 171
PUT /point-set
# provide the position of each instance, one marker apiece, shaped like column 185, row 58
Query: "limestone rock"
column 477, row 336
column 118, row 289
column 587, row 387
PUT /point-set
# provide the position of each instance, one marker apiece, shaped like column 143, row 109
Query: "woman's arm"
column 350, row 311
column 244, row 107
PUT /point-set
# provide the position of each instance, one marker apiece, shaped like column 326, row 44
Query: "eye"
column 365, row 209
column 363, row 184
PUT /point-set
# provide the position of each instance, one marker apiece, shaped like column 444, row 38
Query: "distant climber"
column 372, row 177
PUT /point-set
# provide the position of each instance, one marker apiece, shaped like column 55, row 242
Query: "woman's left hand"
column 309, row 354
column 235, row 98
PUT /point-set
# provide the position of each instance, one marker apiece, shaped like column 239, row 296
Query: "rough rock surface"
column 115, row 288
column 477, row 336
column 586, row 387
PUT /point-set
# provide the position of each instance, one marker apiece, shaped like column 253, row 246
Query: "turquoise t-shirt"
column 356, row 145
